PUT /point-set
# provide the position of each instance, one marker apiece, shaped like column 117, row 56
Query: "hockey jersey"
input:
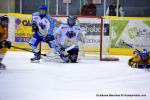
column 46, row 24
column 62, row 35
column 3, row 33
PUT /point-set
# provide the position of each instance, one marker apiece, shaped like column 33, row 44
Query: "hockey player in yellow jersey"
column 141, row 59
column 4, row 44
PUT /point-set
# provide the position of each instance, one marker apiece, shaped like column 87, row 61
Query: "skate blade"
column 35, row 61
column 2, row 68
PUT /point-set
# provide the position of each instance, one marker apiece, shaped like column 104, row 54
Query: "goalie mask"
column 43, row 10
column 71, row 21
column 4, row 21
column 144, row 54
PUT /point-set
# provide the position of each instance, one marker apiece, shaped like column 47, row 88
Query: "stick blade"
column 110, row 59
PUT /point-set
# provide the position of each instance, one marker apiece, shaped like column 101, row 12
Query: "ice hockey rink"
column 86, row 80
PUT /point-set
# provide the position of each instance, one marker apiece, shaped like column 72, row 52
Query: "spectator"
column 112, row 9
column 89, row 9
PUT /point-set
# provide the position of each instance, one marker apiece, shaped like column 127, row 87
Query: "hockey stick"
column 28, row 50
column 40, row 48
column 138, row 51
column 131, row 46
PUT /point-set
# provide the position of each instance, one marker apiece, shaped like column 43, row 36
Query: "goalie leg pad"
column 73, row 55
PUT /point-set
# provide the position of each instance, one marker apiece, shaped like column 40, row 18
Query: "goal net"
column 96, row 36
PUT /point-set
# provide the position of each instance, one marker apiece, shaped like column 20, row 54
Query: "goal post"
column 104, row 50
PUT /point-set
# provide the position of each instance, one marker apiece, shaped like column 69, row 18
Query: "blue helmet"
column 71, row 21
column 43, row 7
column 145, row 53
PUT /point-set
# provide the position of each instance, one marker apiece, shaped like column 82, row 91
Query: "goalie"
column 42, row 26
column 140, row 60
column 4, row 44
column 67, row 37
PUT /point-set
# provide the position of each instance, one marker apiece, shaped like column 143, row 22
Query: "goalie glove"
column 60, row 49
column 63, row 51
column 66, row 50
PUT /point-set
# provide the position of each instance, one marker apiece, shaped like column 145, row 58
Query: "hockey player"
column 67, row 36
column 4, row 44
column 140, row 60
column 42, row 26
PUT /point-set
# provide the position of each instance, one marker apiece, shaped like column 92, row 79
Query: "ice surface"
column 80, row 81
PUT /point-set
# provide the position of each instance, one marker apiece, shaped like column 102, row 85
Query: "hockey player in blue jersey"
column 42, row 26
column 67, row 37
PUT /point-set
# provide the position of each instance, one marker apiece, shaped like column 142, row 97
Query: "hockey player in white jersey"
column 42, row 26
column 67, row 37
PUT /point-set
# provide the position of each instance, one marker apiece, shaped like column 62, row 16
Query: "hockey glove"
column 61, row 50
column 8, row 44
column 5, row 44
column 34, row 27
column 49, row 38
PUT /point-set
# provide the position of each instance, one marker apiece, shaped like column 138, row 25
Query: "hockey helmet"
column 144, row 54
column 43, row 10
column 71, row 21
column 43, row 7
column 4, row 20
